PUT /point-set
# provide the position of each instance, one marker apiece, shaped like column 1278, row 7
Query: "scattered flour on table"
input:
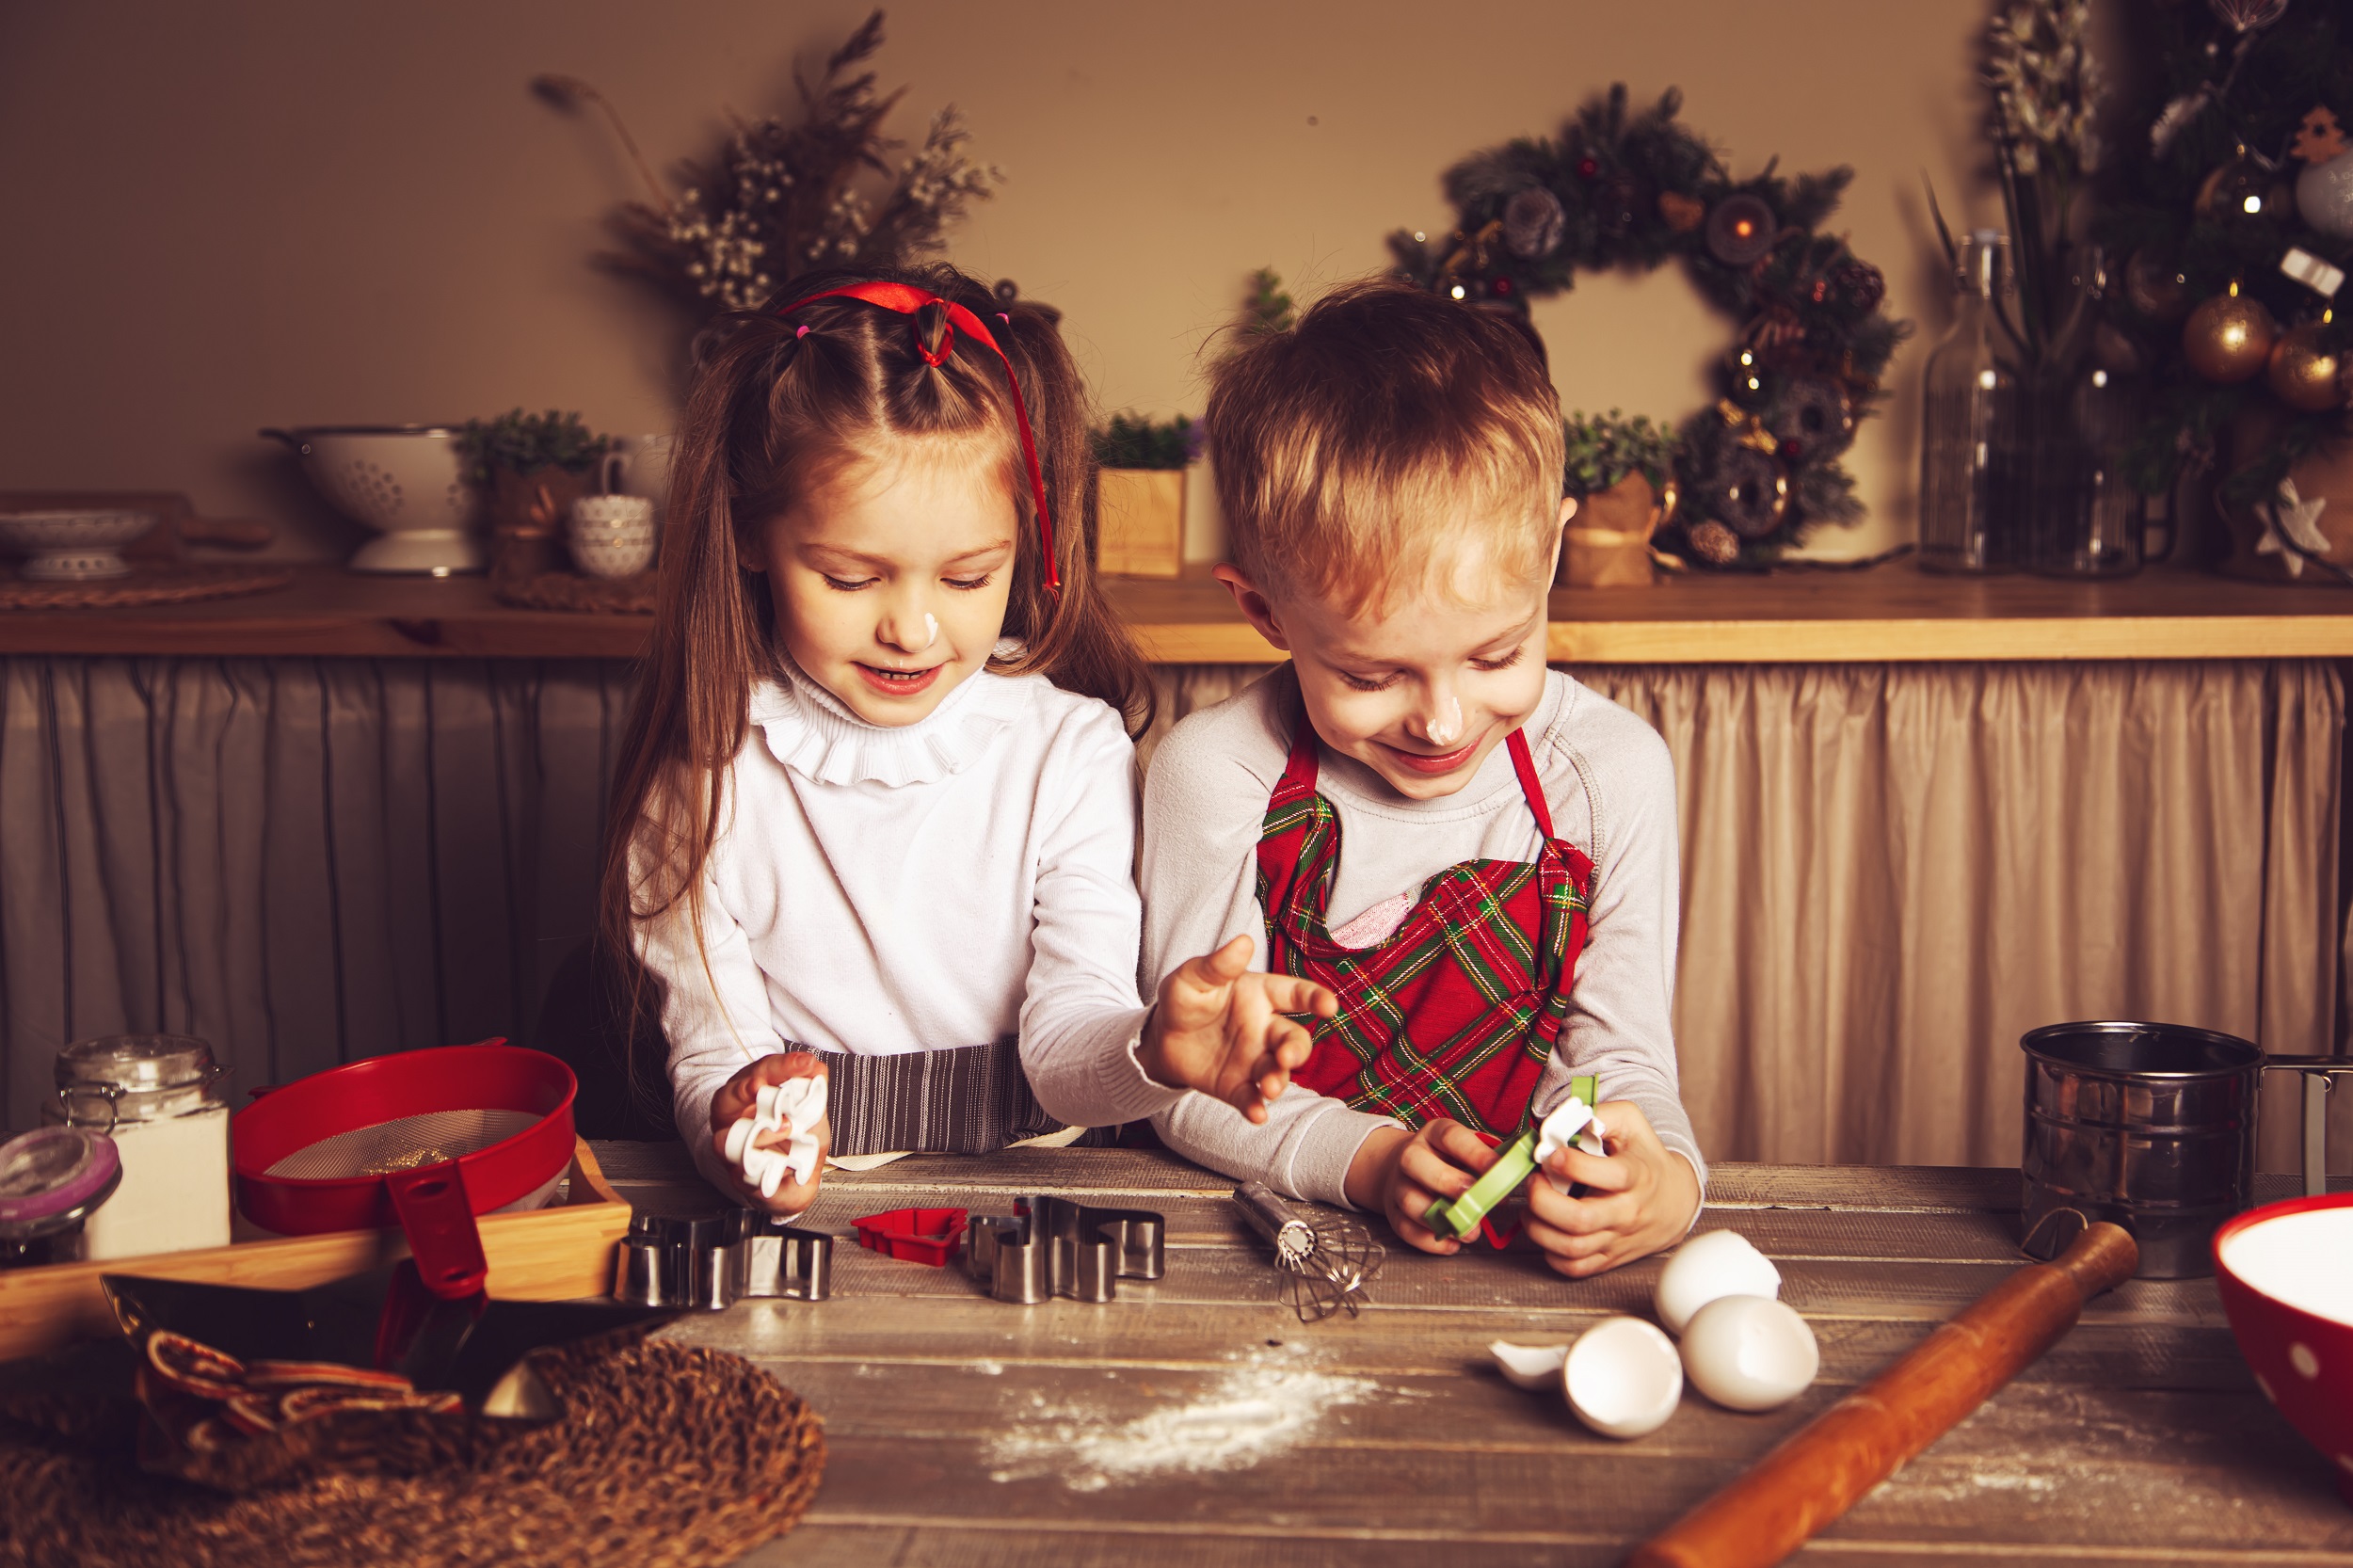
column 1254, row 1412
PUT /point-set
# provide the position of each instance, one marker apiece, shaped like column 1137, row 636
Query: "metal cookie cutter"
column 711, row 1261
column 1051, row 1247
column 781, row 1258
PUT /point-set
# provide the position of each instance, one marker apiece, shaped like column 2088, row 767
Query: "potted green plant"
column 1140, row 494
column 1621, row 472
column 532, row 467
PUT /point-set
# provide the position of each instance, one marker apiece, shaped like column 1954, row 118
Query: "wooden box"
column 1140, row 522
column 1607, row 544
column 546, row 1254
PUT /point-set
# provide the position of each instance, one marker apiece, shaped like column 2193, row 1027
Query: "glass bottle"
column 2084, row 519
column 1969, row 468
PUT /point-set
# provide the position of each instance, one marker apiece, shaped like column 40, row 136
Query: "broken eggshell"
column 1712, row 1264
column 1528, row 1366
column 1623, row 1378
column 1750, row 1353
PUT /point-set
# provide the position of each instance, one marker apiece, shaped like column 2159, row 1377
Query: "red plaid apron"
column 1454, row 1014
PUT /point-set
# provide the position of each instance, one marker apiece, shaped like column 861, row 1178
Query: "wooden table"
column 1891, row 612
column 964, row 1431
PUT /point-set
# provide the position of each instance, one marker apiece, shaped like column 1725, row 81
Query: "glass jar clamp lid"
column 134, row 1078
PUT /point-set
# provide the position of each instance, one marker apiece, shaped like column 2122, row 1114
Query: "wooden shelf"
column 1890, row 613
column 1894, row 613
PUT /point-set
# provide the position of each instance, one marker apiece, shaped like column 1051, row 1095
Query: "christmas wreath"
column 1760, row 467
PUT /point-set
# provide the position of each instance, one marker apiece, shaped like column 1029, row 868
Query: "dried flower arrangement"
column 780, row 199
column 2046, row 89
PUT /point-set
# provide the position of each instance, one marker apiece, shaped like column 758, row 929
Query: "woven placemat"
column 150, row 583
column 667, row 1454
column 583, row 595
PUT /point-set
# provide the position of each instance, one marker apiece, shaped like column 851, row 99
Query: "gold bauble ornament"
column 2228, row 338
column 2156, row 286
column 2302, row 374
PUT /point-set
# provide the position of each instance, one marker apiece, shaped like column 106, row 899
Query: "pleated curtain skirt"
column 1889, row 872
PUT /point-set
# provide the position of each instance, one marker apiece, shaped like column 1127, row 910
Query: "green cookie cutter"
column 1515, row 1162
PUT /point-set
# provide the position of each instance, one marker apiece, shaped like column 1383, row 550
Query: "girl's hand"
column 1642, row 1198
column 734, row 1100
column 1402, row 1174
column 1219, row 1027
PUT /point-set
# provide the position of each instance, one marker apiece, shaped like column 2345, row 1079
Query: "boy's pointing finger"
column 1289, row 994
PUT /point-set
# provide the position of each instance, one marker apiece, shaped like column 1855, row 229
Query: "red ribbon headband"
column 906, row 299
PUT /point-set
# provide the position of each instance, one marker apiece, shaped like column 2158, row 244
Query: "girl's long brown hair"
column 770, row 410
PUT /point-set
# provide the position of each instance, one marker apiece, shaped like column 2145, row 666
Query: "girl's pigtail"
column 1072, row 637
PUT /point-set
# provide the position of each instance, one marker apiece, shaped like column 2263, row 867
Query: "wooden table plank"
column 2265, row 1499
column 1393, row 1341
column 827, row 1544
column 1890, row 613
column 966, row 1431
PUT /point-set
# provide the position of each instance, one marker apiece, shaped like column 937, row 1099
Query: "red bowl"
column 2302, row 1362
column 491, row 1075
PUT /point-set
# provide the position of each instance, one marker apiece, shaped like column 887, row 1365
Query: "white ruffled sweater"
column 941, row 884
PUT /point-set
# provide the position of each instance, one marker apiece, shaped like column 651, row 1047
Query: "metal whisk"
column 1325, row 1262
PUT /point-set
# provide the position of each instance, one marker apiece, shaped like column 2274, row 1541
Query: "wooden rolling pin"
column 1820, row 1470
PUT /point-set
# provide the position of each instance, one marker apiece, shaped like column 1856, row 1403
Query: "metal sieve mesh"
column 402, row 1143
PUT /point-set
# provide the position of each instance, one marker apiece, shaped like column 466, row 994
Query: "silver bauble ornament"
column 2323, row 196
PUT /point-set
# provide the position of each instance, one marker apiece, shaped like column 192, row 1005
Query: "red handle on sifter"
column 438, row 1218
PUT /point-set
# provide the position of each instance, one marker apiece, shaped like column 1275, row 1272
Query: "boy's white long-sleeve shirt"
column 953, row 882
column 1610, row 784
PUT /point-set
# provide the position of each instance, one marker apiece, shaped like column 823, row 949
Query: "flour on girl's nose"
column 931, row 629
column 1446, row 728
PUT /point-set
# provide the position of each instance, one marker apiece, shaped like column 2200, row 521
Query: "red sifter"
column 425, row 1140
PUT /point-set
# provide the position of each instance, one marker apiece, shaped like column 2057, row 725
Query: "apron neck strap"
column 1524, row 765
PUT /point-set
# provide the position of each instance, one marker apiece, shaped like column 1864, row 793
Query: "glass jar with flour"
column 154, row 1095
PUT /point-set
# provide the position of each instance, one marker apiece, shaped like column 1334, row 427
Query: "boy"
column 1477, row 853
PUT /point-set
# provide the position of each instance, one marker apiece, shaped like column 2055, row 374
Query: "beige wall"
column 242, row 213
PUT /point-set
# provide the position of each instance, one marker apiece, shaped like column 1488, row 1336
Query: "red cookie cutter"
column 913, row 1235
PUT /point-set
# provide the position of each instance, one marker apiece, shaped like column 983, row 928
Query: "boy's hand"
column 1642, row 1198
column 1402, row 1174
column 734, row 1100
column 1219, row 1027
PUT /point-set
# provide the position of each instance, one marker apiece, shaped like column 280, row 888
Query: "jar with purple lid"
column 51, row 1180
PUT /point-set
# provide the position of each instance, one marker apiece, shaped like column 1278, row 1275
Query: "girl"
column 875, row 819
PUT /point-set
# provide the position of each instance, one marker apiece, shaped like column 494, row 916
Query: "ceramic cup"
column 624, row 556
column 602, row 514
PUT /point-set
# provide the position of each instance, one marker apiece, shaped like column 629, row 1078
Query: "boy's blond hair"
column 1386, row 424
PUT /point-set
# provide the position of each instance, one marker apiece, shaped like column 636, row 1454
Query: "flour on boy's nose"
column 1445, row 726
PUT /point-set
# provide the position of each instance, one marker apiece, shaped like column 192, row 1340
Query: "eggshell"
column 1622, row 1378
column 1750, row 1353
column 1528, row 1366
column 1711, row 1264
